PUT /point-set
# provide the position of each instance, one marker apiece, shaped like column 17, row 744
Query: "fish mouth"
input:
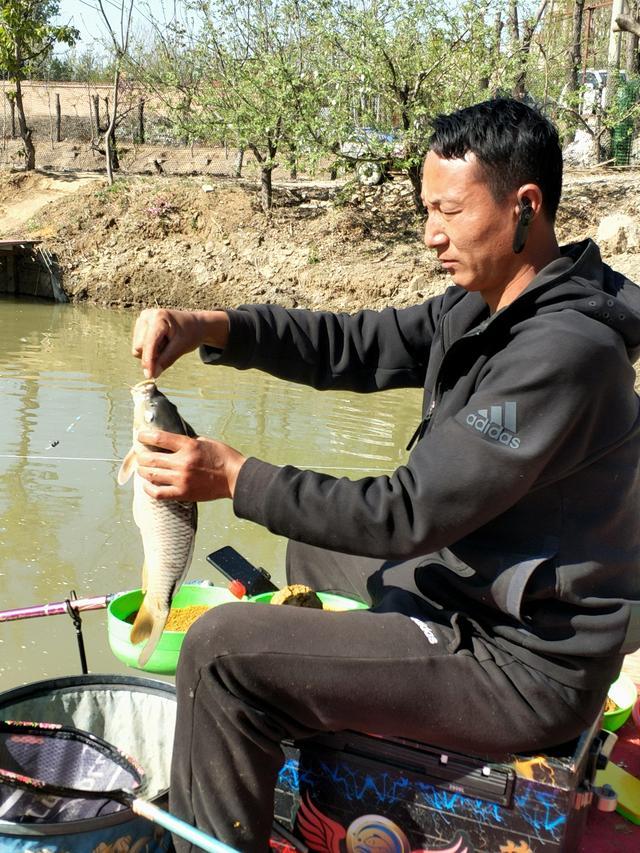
column 144, row 387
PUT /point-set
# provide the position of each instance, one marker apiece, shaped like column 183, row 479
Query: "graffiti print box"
column 352, row 792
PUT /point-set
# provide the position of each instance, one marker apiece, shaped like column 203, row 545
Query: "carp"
column 168, row 528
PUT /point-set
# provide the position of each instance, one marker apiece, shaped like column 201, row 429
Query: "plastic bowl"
column 625, row 694
column 333, row 602
column 165, row 655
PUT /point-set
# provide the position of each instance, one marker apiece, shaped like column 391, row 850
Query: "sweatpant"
column 251, row 675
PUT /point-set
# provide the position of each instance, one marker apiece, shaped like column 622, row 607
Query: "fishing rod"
column 229, row 562
column 58, row 608
column 72, row 606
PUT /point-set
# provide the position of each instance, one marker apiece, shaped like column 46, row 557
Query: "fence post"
column 96, row 112
column 141, row 121
column 58, row 119
column 12, row 104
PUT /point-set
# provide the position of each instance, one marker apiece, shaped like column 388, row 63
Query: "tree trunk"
column 239, row 161
column 266, row 188
column 628, row 24
column 613, row 56
column 514, row 25
column 632, row 63
column 494, row 50
column 58, row 119
column 415, row 176
column 528, row 31
column 574, row 58
column 25, row 132
column 111, row 151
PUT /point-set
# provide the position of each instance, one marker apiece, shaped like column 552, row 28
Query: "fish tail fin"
column 148, row 625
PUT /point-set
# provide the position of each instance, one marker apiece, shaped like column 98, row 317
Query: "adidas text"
column 493, row 430
column 426, row 630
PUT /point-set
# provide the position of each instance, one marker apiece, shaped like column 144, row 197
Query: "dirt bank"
column 189, row 243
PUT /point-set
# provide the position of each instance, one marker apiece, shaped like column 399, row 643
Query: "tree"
column 169, row 63
column 27, row 35
column 120, row 44
column 574, row 57
column 393, row 64
column 262, row 88
column 85, row 66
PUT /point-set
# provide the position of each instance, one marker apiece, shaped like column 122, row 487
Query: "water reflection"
column 65, row 374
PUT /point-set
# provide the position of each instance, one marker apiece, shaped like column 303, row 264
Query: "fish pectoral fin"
column 127, row 468
column 148, row 625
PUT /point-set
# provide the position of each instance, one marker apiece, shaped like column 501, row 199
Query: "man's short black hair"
column 514, row 143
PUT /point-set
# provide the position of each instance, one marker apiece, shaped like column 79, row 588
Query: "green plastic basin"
column 165, row 656
column 333, row 602
column 624, row 693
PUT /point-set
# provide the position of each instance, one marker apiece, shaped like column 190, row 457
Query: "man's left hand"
column 194, row 469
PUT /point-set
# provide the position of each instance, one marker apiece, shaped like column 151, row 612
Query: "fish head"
column 146, row 404
column 152, row 409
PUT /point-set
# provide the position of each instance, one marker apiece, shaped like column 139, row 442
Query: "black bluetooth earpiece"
column 524, row 218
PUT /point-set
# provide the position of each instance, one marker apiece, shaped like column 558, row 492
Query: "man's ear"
column 529, row 196
column 529, row 206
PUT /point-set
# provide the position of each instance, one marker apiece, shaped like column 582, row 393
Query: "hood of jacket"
column 579, row 280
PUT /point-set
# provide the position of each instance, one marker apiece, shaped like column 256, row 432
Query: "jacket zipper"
column 424, row 423
column 422, row 426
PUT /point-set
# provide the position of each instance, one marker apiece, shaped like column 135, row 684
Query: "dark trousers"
column 251, row 675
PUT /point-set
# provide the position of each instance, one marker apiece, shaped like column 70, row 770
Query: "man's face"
column 471, row 232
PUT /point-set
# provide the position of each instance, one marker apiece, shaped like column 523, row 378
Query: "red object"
column 635, row 713
column 238, row 589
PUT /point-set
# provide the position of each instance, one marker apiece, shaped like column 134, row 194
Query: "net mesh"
column 35, row 764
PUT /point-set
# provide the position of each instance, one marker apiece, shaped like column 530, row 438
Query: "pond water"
column 65, row 425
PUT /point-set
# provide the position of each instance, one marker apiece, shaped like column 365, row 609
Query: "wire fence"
column 68, row 121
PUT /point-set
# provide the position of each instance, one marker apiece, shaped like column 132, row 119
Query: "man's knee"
column 220, row 631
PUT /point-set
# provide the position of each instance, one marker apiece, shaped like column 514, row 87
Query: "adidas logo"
column 497, row 423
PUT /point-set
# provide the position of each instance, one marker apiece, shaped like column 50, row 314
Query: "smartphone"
column 235, row 567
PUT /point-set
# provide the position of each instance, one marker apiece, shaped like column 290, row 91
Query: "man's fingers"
column 151, row 341
column 164, row 440
column 159, row 477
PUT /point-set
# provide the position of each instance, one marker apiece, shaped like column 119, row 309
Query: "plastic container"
column 328, row 599
column 625, row 694
column 135, row 714
column 165, row 656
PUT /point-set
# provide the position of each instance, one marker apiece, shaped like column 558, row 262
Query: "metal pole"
column 57, row 608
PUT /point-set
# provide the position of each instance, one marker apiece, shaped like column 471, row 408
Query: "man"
column 501, row 561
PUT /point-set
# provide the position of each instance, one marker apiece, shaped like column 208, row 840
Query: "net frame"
column 44, row 733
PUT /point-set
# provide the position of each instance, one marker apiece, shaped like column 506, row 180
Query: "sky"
column 86, row 17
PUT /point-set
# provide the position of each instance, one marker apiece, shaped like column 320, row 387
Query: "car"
column 372, row 152
column 595, row 88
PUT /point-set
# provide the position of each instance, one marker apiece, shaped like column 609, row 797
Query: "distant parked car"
column 372, row 152
column 595, row 88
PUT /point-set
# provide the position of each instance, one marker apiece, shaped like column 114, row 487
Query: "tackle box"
column 356, row 792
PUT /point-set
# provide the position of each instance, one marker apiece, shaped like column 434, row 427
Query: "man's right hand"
column 161, row 336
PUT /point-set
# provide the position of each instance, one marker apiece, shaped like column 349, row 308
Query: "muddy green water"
column 65, row 425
